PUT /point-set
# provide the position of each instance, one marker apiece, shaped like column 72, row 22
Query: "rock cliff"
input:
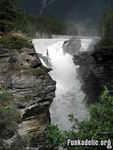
column 23, row 75
column 96, row 71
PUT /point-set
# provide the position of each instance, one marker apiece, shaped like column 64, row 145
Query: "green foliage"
column 13, row 19
column 23, row 24
column 9, row 10
column 46, row 26
column 14, row 42
column 55, row 136
column 99, row 126
column 6, row 25
column 8, row 15
column 106, row 28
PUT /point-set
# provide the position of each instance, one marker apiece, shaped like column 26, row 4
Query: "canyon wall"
column 96, row 71
column 23, row 75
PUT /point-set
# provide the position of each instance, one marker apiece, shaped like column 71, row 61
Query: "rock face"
column 95, row 71
column 22, row 73
column 72, row 46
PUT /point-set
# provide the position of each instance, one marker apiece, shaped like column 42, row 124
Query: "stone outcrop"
column 23, row 75
column 72, row 46
column 96, row 71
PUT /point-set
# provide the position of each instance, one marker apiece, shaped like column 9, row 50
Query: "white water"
column 69, row 97
column 85, row 44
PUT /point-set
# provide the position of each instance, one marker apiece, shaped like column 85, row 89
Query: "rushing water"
column 69, row 96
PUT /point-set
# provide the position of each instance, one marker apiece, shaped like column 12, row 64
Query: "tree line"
column 106, row 27
column 14, row 19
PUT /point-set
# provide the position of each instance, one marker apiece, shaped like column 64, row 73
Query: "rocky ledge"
column 96, row 71
column 23, row 75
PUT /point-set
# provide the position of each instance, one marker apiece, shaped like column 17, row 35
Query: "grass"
column 14, row 42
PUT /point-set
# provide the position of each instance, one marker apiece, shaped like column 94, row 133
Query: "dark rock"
column 20, row 105
column 35, row 64
column 95, row 71
column 103, row 68
column 45, row 59
column 12, row 60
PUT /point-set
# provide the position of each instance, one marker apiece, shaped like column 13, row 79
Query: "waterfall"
column 69, row 96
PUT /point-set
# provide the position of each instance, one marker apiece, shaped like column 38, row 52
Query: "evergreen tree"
column 107, row 27
column 8, row 15
column 13, row 18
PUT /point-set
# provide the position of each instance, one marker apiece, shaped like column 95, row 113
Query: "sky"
column 77, row 10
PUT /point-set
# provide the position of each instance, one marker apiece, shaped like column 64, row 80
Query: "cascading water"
column 85, row 44
column 69, row 96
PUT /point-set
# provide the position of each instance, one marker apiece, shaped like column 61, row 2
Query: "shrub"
column 14, row 42
column 107, row 27
column 54, row 136
column 99, row 126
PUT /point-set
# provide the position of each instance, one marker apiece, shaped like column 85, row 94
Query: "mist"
column 45, row 3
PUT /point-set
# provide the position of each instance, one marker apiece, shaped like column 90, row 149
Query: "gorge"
column 56, row 75
column 70, row 99
column 57, row 78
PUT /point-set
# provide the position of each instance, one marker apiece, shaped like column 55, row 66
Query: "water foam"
column 69, row 96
